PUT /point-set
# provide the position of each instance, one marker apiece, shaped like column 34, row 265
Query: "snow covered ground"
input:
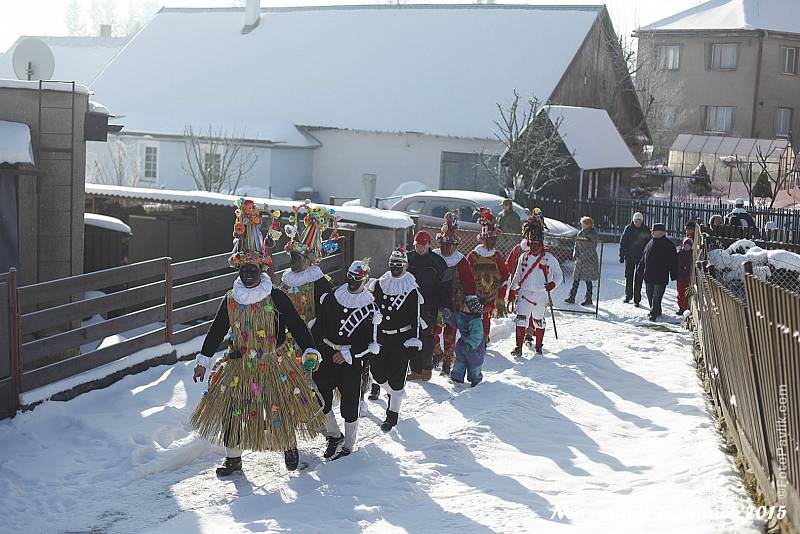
column 608, row 432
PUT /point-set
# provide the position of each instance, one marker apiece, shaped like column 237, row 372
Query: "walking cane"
column 550, row 302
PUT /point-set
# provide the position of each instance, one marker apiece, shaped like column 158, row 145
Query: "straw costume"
column 258, row 395
column 489, row 268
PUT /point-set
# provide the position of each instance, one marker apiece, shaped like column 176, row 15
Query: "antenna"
column 33, row 60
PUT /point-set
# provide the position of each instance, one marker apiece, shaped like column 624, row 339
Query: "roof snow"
column 772, row 15
column 106, row 222
column 76, row 58
column 592, row 138
column 437, row 70
column 15, row 143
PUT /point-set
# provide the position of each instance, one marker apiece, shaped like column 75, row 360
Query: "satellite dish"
column 33, row 60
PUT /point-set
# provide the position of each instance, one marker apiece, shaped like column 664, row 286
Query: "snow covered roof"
column 772, row 15
column 434, row 69
column 15, row 143
column 76, row 58
column 104, row 221
column 356, row 214
column 33, row 85
column 744, row 148
column 592, row 138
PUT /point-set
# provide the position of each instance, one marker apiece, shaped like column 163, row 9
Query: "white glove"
column 346, row 355
column 203, row 361
column 413, row 343
column 374, row 348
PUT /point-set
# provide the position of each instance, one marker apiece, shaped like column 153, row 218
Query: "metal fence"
column 749, row 348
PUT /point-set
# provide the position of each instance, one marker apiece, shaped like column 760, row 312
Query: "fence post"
column 168, row 300
column 748, row 269
column 16, row 340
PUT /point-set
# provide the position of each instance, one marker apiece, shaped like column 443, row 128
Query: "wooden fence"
column 57, row 329
column 751, row 355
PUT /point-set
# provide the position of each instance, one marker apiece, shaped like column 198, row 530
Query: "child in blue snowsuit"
column 471, row 345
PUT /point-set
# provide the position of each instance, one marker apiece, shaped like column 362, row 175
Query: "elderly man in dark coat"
column 631, row 247
column 658, row 263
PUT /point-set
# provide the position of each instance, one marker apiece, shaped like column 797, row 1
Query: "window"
column 723, row 56
column 437, row 208
column 667, row 118
column 415, row 207
column 467, row 172
column 719, row 119
column 783, row 122
column 213, row 164
column 669, row 57
column 150, row 174
column 789, row 59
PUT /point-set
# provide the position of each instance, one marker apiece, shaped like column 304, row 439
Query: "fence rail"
column 750, row 348
column 61, row 328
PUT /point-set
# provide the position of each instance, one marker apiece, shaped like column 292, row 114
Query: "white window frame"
column 718, row 56
column 716, row 123
column 669, row 57
column 669, row 118
column 780, row 118
column 144, row 179
column 786, row 52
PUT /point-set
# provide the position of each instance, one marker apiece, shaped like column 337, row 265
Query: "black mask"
column 397, row 268
column 297, row 262
column 354, row 282
column 250, row 275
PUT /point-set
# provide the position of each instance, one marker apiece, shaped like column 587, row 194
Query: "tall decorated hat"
column 309, row 242
column 255, row 232
column 359, row 269
column 533, row 228
column 488, row 223
column 449, row 232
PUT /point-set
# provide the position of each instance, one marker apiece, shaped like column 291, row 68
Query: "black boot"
column 344, row 451
column 538, row 349
column 374, row 393
column 229, row 466
column 333, row 444
column 570, row 299
column 390, row 422
column 292, row 458
column 587, row 301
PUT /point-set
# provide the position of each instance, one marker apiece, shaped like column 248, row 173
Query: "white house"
column 326, row 94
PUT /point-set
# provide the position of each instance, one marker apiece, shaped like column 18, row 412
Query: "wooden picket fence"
column 169, row 303
column 750, row 350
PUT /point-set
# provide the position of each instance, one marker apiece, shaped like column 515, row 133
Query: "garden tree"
column 533, row 155
column 762, row 188
column 217, row 160
column 120, row 167
column 700, row 182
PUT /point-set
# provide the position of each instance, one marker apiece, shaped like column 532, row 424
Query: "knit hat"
column 638, row 216
column 474, row 304
column 309, row 243
column 739, row 202
column 398, row 254
column 687, row 240
column 254, row 234
column 488, row 224
column 533, row 229
column 449, row 233
column 659, row 227
column 359, row 269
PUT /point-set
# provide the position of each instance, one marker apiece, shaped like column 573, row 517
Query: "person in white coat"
column 537, row 273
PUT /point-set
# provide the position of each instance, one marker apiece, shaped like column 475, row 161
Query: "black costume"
column 428, row 270
column 306, row 289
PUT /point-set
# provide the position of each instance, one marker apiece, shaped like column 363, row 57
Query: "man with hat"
column 631, row 246
column 740, row 218
column 537, row 274
column 398, row 299
column 428, row 270
column 508, row 220
column 257, row 398
column 659, row 261
column 488, row 267
column 458, row 282
column 347, row 329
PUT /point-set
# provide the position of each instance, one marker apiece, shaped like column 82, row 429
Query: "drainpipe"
column 757, row 89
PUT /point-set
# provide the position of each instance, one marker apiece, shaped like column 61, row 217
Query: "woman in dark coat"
column 587, row 265
column 659, row 262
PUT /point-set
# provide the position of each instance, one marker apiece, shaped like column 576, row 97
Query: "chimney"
column 105, row 30
column 252, row 15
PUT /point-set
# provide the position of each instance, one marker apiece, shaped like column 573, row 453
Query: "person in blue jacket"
column 471, row 346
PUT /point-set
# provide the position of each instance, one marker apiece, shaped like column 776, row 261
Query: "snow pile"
column 15, row 143
column 106, row 222
column 780, row 267
column 607, row 432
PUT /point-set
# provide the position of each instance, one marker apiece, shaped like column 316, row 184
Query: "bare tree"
column 104, row 12
column 73, row 18
column 217, row 160
column 139, row 13
column 773, row 178
column 119, row 167
column 534, row 155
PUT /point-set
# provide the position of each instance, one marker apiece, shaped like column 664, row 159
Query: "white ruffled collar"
column 481, row 250
column 451, row 260
column 524, row 245
column 251, row 295
column 306, row 276
column 397, row 286
column 351, row 300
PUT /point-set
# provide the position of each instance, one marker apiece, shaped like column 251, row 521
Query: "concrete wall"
column 284, row 169
column 693, row 85
column 395, row 158
column 50, row 211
